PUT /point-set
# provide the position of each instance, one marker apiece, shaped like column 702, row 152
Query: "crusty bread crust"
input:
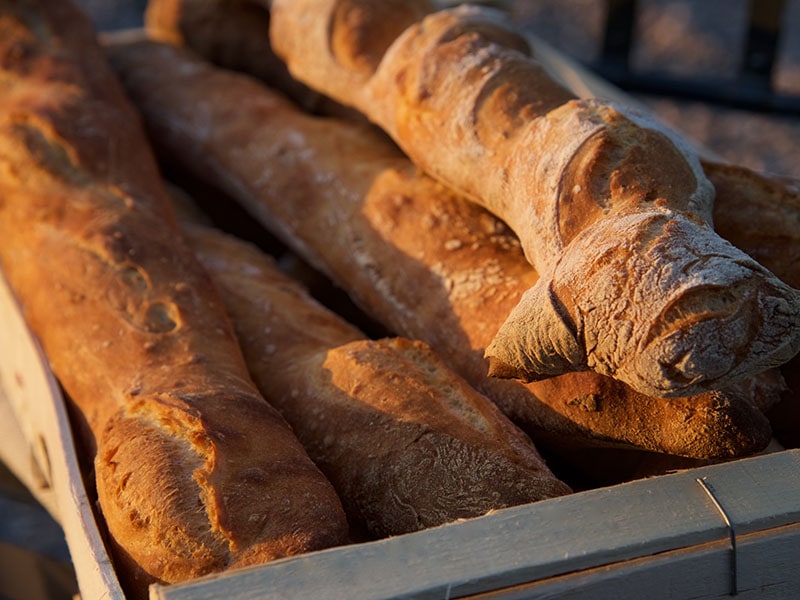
column 208, row 26
column 406, row 442
column 760, row 213
column 195, row 472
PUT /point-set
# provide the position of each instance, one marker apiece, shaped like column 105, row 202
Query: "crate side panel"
column 536, row 541
column 766, row 568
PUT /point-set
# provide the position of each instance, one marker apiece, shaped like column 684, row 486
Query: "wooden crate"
column 710, row 532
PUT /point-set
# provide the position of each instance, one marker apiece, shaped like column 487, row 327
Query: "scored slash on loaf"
column 611, row 208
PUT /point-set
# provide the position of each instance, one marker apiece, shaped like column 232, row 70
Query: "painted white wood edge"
column 32, row 395
column 17, row 455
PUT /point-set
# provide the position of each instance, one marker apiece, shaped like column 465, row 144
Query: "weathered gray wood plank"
column 533, row 542
column 767, row 569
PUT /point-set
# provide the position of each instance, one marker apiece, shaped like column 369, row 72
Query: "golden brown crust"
column 414, row 256
column 230, row 33
column 132, row 326
column 759, row 214
column 362, row 31
column 407, row 443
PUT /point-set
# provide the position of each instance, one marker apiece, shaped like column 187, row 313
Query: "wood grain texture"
column 763, row 572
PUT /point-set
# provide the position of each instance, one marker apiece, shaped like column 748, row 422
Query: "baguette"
column 194, row 471
column 611, row 208
column 207, row 26
column 407, row 444
column 414, row 256
column 761, row 215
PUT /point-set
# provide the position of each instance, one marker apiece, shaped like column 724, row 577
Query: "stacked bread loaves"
column 229, row 417
column 611, row 208
column 754, row 210
column 406, row 443
column 416, row 257
column 194, row 471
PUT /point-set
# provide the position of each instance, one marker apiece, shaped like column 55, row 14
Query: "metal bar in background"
column 618, row 37
column 752, row 88
column 761, row 44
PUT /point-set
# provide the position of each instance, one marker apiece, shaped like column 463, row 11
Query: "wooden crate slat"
column 31, row 393
column 700, row 573
column 532, row 542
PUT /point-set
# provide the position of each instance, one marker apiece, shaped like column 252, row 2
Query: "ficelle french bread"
column 612, row 209
column 414, row 256
column 195, row 472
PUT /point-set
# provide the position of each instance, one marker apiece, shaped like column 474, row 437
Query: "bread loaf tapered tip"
column 656, row 300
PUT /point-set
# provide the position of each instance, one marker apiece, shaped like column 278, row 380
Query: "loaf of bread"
column 414, row 256
column 195, row 472
column 749, row 214
column 753, row 211
column 406, row 442
column 760, row 214
column 612, row 209
column 208, row 26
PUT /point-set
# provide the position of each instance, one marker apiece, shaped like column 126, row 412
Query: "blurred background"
column 690, row 47
column 726, row 73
